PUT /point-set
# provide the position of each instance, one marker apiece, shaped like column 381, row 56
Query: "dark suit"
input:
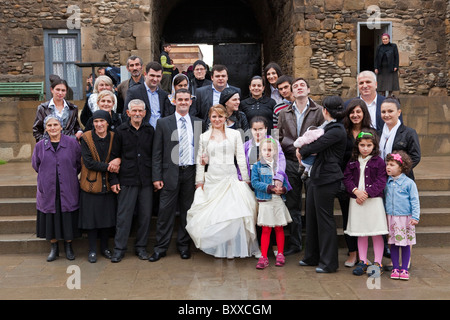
column 139, row 92
column 204, row 100
column 122, row 90
column 179, row 182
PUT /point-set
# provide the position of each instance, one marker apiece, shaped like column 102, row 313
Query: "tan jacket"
column 287, row 126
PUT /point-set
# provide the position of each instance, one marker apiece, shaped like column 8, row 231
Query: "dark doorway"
column 243, row 61
column 229, row 25
column 368, row 40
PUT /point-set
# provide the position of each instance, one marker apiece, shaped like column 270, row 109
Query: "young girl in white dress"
column 365, row 179
column 222, row 218
column 272, row 212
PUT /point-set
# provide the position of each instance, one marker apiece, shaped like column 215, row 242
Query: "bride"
column 221, row 221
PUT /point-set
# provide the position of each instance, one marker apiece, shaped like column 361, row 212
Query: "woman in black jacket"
column 386, row 65
column 258, row 104
column 325, row 180
column 396, row 136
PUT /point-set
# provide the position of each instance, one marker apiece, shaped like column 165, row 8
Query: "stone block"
column 38, row 67
column 403, row 59
column 312, row 24
column 141, row 29
column 8, row 132
column 146, row 55
column 334, row 5
column 317, row 86
column 351, row 5
column 88, row 35
column 94, row 55
column 35, row 54
column 350, row 58
column 302, row 51
column 143, row 43
column 302, row 38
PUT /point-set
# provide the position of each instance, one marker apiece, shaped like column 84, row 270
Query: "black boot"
column 69, row 252
column 54, row 252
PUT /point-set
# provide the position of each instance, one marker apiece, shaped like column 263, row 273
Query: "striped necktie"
column 184, row 143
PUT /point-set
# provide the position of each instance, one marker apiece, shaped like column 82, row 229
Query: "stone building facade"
column 317, row 39
column 321, row 40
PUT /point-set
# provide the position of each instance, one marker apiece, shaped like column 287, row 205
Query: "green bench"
column 22, row 89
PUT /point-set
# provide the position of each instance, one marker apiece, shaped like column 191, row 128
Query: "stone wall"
column 110, row 31
column 325, row 43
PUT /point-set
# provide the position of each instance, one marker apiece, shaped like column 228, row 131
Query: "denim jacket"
column 402, row 197
column 262, row 177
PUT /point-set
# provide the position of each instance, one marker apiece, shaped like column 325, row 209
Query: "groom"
column 173, row 172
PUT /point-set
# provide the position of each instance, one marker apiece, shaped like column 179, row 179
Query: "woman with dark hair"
column 236, row 119
column 386, row 65
column 325, row 180
column 356, row 117
column 57, row 161
column 58, row 106
column 395, row 136
column 271, row 74
column 258, row 104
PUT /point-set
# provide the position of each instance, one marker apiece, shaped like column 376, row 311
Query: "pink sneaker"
column 404, row 275
column 395, row 274
column 262, row 263
column 280, row 260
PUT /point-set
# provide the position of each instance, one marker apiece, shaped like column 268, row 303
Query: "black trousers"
column 127, row 199
column 183, row 195
column 321, row 235
column 294, row 204
column 344, row 202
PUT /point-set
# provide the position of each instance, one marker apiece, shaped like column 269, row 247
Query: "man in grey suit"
column 207, row 96
column 173, row 172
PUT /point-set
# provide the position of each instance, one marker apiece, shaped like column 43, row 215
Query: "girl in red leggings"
column 272, row 212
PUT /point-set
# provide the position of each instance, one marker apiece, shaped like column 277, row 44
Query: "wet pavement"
column 30, row 277
column 204, row 277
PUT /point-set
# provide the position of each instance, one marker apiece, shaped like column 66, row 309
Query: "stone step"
column 433, row 184
column 17, row 224
column 18, row 191
column 17, row 206
column 434, row 199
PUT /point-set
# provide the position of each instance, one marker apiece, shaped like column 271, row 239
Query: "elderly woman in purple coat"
column 57, row 160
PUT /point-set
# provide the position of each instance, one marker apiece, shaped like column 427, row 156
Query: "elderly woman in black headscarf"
column 97, row 201
column 386, row 65
column 231, row 100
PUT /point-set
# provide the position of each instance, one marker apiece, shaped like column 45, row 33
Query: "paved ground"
column 203, row 277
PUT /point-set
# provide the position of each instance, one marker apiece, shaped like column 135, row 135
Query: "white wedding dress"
column 221, row 220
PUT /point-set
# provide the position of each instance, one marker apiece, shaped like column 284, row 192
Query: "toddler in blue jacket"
column 403, row 211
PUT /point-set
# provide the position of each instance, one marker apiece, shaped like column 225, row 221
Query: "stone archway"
column 273, row 19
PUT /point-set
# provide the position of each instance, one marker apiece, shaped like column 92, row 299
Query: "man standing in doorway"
column 293, row 121
column 168, row 67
